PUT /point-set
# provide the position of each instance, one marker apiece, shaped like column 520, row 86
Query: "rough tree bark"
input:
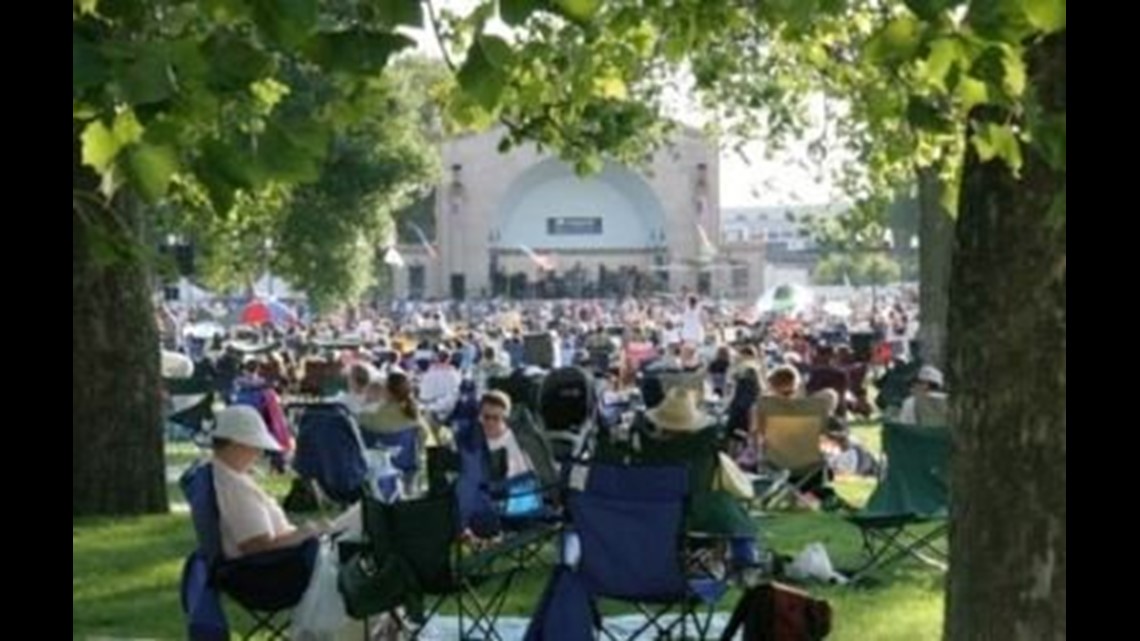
column 1007, row 364
column 936, row 232
column 117, row 441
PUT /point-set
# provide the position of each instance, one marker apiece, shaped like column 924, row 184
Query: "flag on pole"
column 424, row 241
column 707, row 250
column 542, row 262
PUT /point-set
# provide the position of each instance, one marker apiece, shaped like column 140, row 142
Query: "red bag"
column 776, row 612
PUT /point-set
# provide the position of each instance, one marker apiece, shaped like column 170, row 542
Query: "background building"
column 524, row 224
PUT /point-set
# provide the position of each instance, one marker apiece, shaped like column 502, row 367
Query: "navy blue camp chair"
column 266, row 585
column 329, row 452
column 407, row 460
column 630, row 523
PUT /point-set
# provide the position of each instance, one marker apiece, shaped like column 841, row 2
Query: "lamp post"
column 268, row 247
column 873, row 245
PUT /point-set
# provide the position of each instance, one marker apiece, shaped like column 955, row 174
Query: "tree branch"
column 435, row 27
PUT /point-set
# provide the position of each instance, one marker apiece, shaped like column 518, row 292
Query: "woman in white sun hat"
column 927, row 402
column 250, row 520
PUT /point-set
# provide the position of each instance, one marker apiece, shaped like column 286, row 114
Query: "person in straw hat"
column 678, row 413
column 715, row 508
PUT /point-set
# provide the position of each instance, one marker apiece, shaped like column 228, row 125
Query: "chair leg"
column 896, row 544
column 266, row 621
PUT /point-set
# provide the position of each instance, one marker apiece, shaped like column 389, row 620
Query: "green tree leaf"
column 286, row 22
column 610, row 86
column 227, row 12
column 151, row 168
column 972, row 92
column 1001, row 67
column 922, row 114
column 356, row 50
column 234, row 62
column 796, row 14
column 223, row 169
column 1046, row 15
column 480, row 78
column 496, row 50
column 293, row 152
column 148, row 79
column 88, row 69
column 944, row 54
column 1049, row 138
column 931, row 10
column 998, row 141
column 516, row 12
column 1001, row 20
column 87, row 7
column 578, row 10
column 99, row 146
column 896, row 42
column 396, row 13
column 102, row 144
column 589, row 165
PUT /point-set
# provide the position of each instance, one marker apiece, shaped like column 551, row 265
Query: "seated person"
column 359, row 376
column 393, row 408
column 718, row 370
column 491, row 366
column 250, row 520
column 439, row 387
column 784, row 382
column 927, row 402
column 714, row 508
column 494, row 408
column 845, row 455
column 827, row 374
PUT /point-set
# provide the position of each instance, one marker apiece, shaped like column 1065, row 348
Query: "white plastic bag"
column 813, row 564
column 320, row 616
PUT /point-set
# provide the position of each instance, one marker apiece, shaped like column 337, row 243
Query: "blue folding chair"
column 266, row 585
column 330, row 452
column 630, row 524
column 407, row 460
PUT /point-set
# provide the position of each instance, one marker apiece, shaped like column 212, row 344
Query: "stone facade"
column 494, row 210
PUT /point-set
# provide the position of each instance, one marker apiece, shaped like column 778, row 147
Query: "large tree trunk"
column 117, row 462
column 1007, row 365
column 936, row 232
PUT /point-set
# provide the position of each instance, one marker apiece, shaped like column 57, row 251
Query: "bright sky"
column 789, row 178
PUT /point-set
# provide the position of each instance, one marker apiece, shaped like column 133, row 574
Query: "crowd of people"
column 412, row 365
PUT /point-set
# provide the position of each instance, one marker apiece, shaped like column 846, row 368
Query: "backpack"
column 777, row 612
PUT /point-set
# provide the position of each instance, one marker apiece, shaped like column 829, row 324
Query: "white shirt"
column 439, row 389
column 352, row 402
column 693, row 326
column 517, row 461
column 908, row 415
column 245, row 511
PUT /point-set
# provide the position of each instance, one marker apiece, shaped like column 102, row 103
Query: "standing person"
column 439, row 390
column 693, row 323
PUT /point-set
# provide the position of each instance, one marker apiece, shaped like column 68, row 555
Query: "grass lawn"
column 125, row 572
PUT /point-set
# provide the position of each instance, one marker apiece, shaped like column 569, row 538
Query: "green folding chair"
column 414, row 555
column 906, row 516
